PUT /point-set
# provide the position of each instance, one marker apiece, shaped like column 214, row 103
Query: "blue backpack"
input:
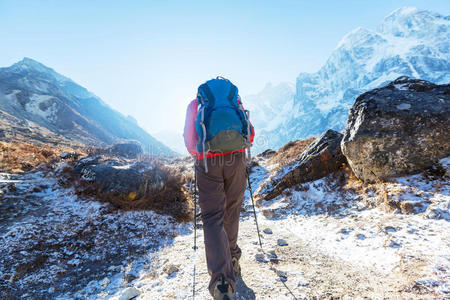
column 222, row 124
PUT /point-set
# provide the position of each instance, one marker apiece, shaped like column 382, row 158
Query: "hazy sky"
column 147, row 58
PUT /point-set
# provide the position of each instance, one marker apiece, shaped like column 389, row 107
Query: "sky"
column 147, row 58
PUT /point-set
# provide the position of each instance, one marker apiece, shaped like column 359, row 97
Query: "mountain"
column 409, row 42
column 35, row 94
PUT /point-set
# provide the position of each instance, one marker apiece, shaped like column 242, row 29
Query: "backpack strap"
column 209, row 95
column 232, row 94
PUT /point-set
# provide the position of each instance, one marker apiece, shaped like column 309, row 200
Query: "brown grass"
column 19, row 157
column 290, row 151
column 173, row 199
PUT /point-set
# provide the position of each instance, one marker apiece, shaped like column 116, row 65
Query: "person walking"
column 217, row 133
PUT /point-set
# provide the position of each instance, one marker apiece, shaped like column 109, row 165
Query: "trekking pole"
column 259, row 235
column 195, row 228
column 253, row 205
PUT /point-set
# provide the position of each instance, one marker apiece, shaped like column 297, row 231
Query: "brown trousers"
column 221, row 192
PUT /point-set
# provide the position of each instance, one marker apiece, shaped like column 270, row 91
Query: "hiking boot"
column 223, row 290
column 236, row 267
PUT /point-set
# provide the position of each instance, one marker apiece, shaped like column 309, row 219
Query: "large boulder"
column 322, row 157
column 398, row 129
column 130, row 184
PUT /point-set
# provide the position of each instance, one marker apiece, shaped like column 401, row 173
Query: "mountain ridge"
column 29, row 90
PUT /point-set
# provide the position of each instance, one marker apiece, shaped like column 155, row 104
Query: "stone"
column 259, row 256
column 171, row 269
column 282, row 275
column 271, row 255
column 267, row 231
column 282, row 242
column 128, row 293
column 27, row 166
column 302, row 282
column 131, row 184
column 129, row 277
column 69, row 155
column 11, row 188
column 267, row 153
column 397, row 130
column 322, row 157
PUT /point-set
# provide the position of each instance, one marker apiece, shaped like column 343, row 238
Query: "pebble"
column 282, row 242
column 282, row 275
column 302, row 282
column 169, row 270
column 259, row 256
column 267, row 231
column 128, row 293
column 271, row 254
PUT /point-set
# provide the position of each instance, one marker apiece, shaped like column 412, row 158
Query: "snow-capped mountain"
column 409, row 41
column 32, row 92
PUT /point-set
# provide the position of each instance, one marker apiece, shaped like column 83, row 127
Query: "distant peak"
column 403, row 11
column 358, row 35
column 411, row 21
column 30, row 61
column 30, row 64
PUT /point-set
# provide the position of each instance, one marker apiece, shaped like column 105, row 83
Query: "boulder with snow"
column 398, row 129
column 131, row 184
column 322, row 157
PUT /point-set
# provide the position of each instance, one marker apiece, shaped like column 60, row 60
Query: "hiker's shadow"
column 243, row 291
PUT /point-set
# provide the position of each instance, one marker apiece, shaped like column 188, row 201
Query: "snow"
column 44, row 106
column 79, row 239
column 404, row 106
column 324, row 227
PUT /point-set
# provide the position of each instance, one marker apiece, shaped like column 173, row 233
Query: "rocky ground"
column 342, row 240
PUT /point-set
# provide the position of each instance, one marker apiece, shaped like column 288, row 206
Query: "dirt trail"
column 310, row 273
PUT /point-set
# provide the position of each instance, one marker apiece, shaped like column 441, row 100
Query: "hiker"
column 217, row 132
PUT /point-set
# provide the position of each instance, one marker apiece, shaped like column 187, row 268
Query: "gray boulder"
column 322, row 157
column 398, row 129
column 130, row 184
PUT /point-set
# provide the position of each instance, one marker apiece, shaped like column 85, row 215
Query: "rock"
column 302, row 282
column 267, row 154
column 11, row 188
column 259, row 257
column 36, row 190
column 129, row 277
column 170, row 269
column 131, row 184
column 282, row 275
column 360, row 236
column 27, row 166
column 271, row 255
column 267, row 231
column 389, row 229
column 69, row 155
column 322, row 157
column 130, row 149
column 282, row 242
column 128, row 293
column 398, row 129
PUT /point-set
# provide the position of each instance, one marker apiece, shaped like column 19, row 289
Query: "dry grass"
column 19, row 157
column 172, row 199
column 290, row 151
